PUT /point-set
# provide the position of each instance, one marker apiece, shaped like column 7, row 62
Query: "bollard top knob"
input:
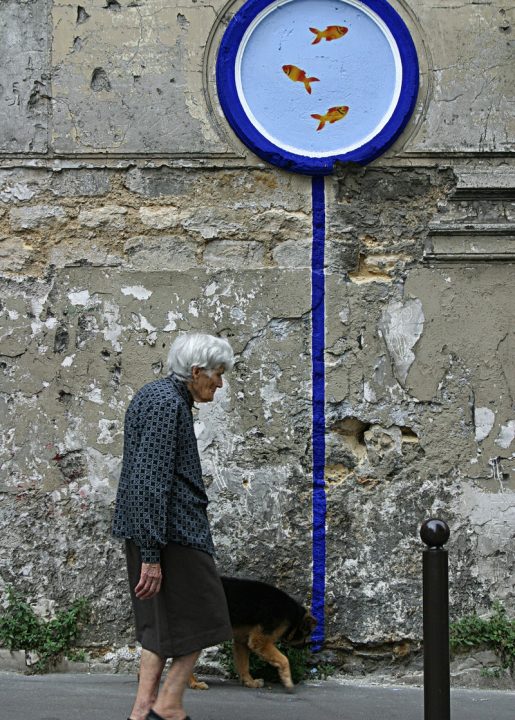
column 434, row 532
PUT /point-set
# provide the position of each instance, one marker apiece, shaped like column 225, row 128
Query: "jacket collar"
column 182, row 389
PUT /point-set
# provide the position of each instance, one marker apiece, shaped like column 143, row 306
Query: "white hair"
column 198, row 350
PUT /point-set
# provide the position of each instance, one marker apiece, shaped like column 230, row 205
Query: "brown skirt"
column 189, row 612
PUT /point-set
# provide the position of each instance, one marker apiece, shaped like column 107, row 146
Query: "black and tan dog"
column 261, row 615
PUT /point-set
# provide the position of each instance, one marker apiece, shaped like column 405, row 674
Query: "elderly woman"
column 177, row 596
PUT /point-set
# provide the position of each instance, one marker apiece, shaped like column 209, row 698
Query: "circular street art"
column 305, row 83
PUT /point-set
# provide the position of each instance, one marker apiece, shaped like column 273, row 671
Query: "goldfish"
column 298, row 75
column 332, row 32
column 332, row 115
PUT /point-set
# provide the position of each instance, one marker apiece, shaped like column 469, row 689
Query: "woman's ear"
column 195, row 372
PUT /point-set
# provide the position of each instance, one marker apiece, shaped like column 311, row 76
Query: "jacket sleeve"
column 152, row 476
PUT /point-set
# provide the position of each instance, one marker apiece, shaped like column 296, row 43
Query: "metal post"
column 437, row 696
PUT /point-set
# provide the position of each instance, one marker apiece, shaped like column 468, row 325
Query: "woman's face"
column 205, row 383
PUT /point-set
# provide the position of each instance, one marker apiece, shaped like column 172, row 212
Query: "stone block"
column 77, row 183
column 158, row 218
column 234, row 254
column 293, row 253
column 37, row 216
column 13, row 254
column 158, row 182
column 75, row 251
column 109, row 216
column 161, row 253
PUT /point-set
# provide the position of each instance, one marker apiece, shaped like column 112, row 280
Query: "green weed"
column 22, row 629
column 298, row 659
column 496, row 632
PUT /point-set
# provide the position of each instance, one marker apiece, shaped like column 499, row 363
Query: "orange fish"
column 298, row 75
column 332, row 115
column 332, row 32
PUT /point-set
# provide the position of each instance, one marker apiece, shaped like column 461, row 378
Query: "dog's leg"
column 195, row 684
column 241, row 662
column 263, row 645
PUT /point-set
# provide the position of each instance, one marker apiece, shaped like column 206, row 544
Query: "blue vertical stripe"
column 318, row 379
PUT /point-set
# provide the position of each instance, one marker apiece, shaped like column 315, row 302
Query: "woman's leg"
column 151, row 668
column 169, row 701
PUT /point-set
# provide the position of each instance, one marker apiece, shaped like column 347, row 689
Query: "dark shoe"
column 154, row 716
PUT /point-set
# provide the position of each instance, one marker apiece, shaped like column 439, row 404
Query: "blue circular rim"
column 261, row 146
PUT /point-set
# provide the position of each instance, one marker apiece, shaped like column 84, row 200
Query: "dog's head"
column 300, row 635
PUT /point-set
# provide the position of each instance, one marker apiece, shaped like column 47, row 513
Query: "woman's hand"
column 149, row 581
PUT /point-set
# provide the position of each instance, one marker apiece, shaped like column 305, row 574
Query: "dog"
column 261, row 615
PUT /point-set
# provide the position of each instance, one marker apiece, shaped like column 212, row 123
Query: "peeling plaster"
column 484, row 420
column 506, row 435
column 80, row 297
column 137, row 291
column 401, row 325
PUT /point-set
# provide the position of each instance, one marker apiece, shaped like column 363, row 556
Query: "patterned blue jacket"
column 161, row 495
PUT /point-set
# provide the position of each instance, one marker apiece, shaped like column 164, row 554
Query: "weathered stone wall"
column 129, row 213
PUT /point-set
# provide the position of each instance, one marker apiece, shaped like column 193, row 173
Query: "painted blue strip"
column 318, row 380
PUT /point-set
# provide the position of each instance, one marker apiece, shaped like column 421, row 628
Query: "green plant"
column 496, row 632
column 323, row 671
column 77, row 655
column 22, row 629
column 261, row 669
column 492, row 672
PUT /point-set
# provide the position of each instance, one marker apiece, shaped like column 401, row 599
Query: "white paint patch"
column 401, row 325
column 146, row 325
column 270, row 395
column 506, row 435
column 172, row 317
column 193, row 309
column 210, row 289
column 137, row 291
column 95, row 396
column 103, row 475
column 199, row 427
column 13, row 314
column 141, row 323
column 79, row 298
column 344, row 315
column 37, row 307
column 368, row 393
column 51, row 323
column 68, row 361
column 484, row 419
column 108, row 430
column 113, row 330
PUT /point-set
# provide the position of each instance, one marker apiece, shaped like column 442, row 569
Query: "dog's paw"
column 290, row 689
column 199, row 686
column 254, row 683
column 195, row 684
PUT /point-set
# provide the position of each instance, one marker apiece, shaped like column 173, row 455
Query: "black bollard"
column 437, row 695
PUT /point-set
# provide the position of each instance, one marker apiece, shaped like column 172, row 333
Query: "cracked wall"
column 129, row 212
